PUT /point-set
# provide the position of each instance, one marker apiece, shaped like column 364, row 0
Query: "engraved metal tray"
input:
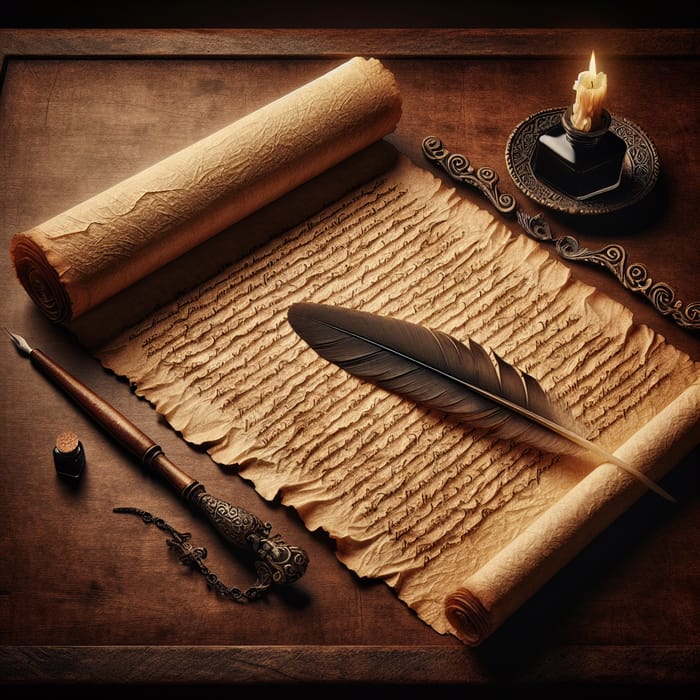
column 640, row 169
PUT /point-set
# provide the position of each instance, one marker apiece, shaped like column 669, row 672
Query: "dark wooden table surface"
column 88, row 596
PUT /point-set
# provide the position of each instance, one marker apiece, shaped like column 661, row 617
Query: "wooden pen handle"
column 118, row 426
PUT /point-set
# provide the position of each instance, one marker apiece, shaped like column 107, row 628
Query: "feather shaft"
column 433, row 369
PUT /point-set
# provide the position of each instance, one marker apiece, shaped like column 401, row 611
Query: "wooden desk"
column 84, row 599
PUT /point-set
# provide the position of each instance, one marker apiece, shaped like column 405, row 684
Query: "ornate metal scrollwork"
column 633, row 276
column 458, row 168
column 276, row 562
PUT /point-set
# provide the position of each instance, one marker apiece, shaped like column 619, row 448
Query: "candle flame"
column 591, row 65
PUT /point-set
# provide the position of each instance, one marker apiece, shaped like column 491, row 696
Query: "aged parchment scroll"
column 85, row 255
column 463, row 526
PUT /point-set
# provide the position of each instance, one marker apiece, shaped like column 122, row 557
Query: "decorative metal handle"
column 632, row 276
column 276, row 561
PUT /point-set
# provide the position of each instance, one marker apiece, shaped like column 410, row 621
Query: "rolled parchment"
column 85, row 255
column 491, row 594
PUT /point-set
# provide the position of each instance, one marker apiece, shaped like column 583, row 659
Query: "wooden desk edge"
column 339, row 664
column 381, row 43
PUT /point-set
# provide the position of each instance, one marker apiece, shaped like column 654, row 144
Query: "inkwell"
column 580, row 156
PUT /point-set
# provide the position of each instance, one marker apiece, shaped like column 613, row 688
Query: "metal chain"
column 194, row 558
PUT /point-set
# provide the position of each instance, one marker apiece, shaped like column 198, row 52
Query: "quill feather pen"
column 464, row 380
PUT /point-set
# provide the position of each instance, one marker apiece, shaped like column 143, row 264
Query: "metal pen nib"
column 20, row 343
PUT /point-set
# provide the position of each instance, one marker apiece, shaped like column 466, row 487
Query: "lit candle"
column 590, row 92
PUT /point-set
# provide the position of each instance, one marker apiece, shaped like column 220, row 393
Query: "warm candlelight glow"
column 590, row 87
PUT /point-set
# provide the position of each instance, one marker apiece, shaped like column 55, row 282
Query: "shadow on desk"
column 516, row 646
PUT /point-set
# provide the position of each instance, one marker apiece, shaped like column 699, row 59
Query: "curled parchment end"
column 40, row 279
column 468, row 616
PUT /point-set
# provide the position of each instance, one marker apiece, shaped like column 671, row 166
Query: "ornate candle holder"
column 580, row 164
column 640, row 166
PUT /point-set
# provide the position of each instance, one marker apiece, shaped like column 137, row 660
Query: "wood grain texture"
column 296, row 665
column 90, row 596
column 381, row 43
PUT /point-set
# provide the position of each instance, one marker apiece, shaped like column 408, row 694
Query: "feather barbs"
column 462, row 379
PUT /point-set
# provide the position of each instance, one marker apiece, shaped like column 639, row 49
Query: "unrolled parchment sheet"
column 83, row 256
column 463, row 526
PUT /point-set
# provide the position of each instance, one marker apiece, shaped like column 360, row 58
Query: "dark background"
column 346, row 14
